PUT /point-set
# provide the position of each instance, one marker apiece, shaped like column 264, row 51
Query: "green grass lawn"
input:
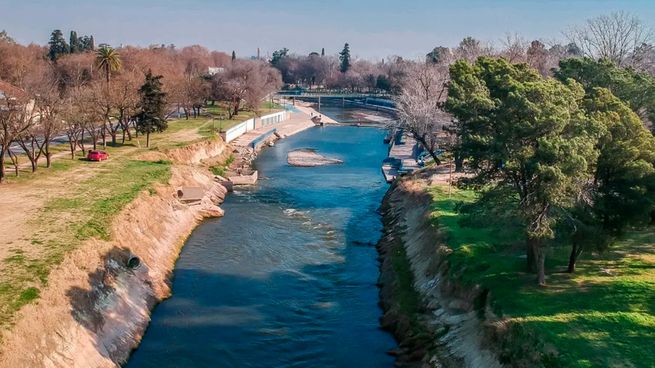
column 601, row 316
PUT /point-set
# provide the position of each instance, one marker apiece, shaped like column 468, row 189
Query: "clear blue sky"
column 374, row 29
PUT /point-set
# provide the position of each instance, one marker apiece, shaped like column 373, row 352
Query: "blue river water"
column 288, row 277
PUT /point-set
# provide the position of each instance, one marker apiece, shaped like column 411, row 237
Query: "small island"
column 308, row 157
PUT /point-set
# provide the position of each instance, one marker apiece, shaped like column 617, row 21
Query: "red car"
column 96, row 155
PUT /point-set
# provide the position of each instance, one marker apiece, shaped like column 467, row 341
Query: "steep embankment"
column 438, row 322
column 95, row 308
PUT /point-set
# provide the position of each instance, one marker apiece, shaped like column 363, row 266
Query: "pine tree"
column 234, row 55
column 74, row 43
column 152, row 108
column 344, row 57
column 58, row 45
column 323, row 51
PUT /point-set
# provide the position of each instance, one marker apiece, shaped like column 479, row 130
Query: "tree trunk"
column 531, row 256
column 82, row 143
column 423, row 143
column 459, row 162
column 147, row 139
column 541, row 266
column 71, row 145
column 48, row 155
column 573, row 257
column 103, row 132
column 127, row 130
column 14, row 160
column 3, row 151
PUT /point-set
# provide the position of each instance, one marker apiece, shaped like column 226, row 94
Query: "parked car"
column 97, row 155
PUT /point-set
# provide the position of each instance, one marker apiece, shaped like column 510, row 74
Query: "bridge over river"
column 376, row 101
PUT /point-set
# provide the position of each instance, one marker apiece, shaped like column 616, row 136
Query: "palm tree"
column 108, row 59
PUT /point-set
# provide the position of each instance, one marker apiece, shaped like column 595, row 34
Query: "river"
column 288, row 277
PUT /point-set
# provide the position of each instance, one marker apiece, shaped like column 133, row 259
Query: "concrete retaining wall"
column 251, row 124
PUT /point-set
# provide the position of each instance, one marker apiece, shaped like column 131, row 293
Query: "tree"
column 152, row 108
column 16, row 117
column 4, row 37
column 439, row 55
column 470, row 49
column 73, row 116
column 262, row 81
column 323, row 51
column 636, row 88
column 234, row 55
column 48, row 105
column 245, row 80
column 87, row 43
column 621, row 193
column 615, row 37
column 108, row 60
column 525, row 135
column 344, row 58
column 419, row 105
column 278, row 55
column 74, row 43
column 58, row 45
column 538, row 57
column 514, row 48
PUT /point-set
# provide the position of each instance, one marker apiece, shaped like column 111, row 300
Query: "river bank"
column 437, row 321
column 94, row 308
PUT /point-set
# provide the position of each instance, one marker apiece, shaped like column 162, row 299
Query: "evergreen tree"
column 58, row 45
column 278, row 55
column 635, row 87
column 74, row 43
column 152, row 108
column 438, row 55
column 524, row 136
column 344, row 57
column 5, row 37
column 323, row 51
column 234, row 55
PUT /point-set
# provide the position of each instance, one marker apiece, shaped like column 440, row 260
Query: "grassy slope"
column 601, row 316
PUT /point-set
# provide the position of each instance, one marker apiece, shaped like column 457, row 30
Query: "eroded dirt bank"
column 95, row 309
column 437, row 322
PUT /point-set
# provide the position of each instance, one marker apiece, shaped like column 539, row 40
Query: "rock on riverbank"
column 308, row 157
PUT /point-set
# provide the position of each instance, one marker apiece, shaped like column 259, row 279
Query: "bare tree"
column 514, row 48
column 470, row 49
column 31, row 144
column 48, row 108
column 419, row 104
column 125, row 101
column 73, row 116
column 616, row 37
column 245, row 80
column 16, row 117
